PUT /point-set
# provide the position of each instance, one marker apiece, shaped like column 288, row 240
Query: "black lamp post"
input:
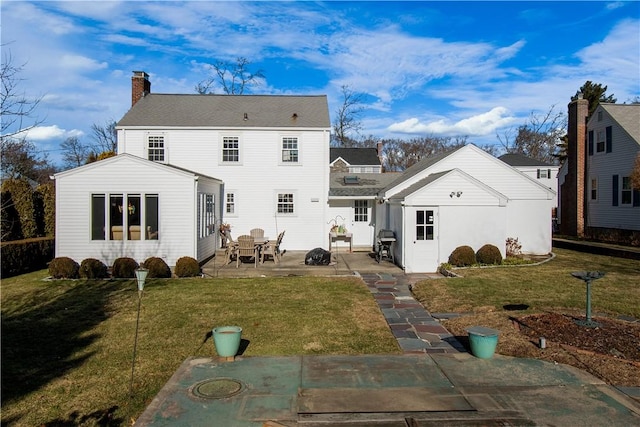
column 141, row 276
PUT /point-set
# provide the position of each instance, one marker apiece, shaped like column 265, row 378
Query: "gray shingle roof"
column 194, row 110
column 355, row 156
column 517, row 159
column 369, row 184
column 627, row 116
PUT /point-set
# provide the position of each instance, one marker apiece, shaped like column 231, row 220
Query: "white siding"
column 602, row 166
column 521, row 217
column 258, row 177
column 176, row 197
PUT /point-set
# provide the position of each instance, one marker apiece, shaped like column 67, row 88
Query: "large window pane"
column 116, row 215
column 133, row 217
column 98, row 218
column 151, row 216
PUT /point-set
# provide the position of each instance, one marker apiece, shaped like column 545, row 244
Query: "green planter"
column 483, row 341
column 227, row 340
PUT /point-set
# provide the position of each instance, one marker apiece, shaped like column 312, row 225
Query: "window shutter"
column 614, row 201
column 609, row 139
column 591, row 143
column 636, row 197
column 548, row 173
column 538, row 173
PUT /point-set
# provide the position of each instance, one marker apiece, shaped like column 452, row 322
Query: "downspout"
column 404, row 236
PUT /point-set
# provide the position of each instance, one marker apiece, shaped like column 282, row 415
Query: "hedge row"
column 91, row 268
column 24, row 256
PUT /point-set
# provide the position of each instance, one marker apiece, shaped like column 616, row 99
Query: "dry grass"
column 67, row 345
column 482, row 294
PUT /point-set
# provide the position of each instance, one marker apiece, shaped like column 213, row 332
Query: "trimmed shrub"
column 124, row 268
column 489, row 254
column 64, row 268
column 157, row 268
column 46, row 194
column 187, row 267
column 92, row 268
column 462, row 256
column 24, row 256
column 22, row 200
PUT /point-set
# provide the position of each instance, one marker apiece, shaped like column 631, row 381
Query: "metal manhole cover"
column 217, row 388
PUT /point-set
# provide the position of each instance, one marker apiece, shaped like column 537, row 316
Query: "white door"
column 422, row 240
column 361, row 223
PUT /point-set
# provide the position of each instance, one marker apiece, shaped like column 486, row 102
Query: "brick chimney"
column 140, row 86
column 572, row 221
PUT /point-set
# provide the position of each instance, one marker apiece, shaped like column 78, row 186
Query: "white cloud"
column 478, row 125
column 44, row 133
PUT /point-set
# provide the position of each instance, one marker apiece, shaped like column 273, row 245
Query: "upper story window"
column 155, row 148
column 544, row 173
column 289, row 149
column 286, row 203
column 231, row 149
column 600, row 141
column 599, row 116
column 593, row 190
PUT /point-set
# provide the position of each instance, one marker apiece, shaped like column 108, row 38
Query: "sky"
column 472, row 69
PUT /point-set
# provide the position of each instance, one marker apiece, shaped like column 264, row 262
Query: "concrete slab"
column 389, row 390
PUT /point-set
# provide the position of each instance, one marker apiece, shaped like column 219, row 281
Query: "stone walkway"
column 416, row 330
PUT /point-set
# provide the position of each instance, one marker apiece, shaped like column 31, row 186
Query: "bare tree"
column 21, row 159
column 635, row 173
column 347, row 121
column 399, row 154
column 15, row 107
column 74, row 152
column 539, row 138
column 105, row 137
column 232, row 77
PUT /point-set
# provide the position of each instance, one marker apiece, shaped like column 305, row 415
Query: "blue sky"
column 443, row 68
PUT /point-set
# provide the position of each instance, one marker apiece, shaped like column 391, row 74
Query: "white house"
column 187, row 163
column 544, row 172
column 597, row 199
column 463, row 197
column 269, row 155
column 126, row 206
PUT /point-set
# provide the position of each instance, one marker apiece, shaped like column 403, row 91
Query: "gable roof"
column 237, row 111
column 517, row 159
column 130, row 157
column 369, row 184
column 419, row 167
column 425, row 182
column 627, row 116
column 355, row 156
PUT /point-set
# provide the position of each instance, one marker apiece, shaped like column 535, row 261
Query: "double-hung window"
column 593, row 190
column 230, row 149
column 626, row 191
column 289, row 149
column 600, row 141
column 230, row 203
column 286, row 203
column 155, row 148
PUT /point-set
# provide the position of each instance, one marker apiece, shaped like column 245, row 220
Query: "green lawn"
column 67, row 346
column 542, row 287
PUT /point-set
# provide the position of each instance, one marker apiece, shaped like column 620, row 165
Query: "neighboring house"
column 597, row 199
column 545, row 173
column 269, row 154
column 126, row 206
column 355, row 160
column 463, row 197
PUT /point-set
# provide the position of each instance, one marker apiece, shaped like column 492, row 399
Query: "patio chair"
column 230, row 247
column 256, row 232
column 246, row 248
column 272, row 248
